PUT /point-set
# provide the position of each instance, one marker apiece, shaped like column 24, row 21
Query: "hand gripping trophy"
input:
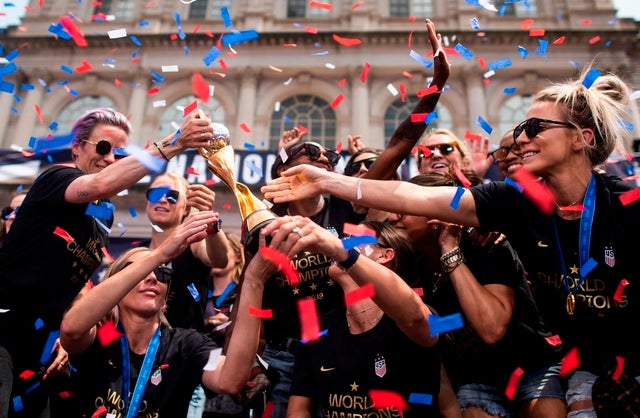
column 220, row 160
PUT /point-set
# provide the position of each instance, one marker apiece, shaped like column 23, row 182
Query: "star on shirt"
column 330, row 282
column 574, row 269
column 354, row 387
column 296, row 290
column 313, row 287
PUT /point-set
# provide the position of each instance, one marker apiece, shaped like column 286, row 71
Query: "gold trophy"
column 220, row 160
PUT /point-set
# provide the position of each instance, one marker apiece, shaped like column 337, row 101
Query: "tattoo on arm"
column 83, row 193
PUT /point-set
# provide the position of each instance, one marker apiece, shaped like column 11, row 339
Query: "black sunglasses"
column 501, row 153
column 532, row 127
column 354, row 166
column 314, row 152
column 163, row 273
column 155, row 194
column 103, row 147
column 426, row 151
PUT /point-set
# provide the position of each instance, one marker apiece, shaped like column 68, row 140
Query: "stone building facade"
column 141, row 57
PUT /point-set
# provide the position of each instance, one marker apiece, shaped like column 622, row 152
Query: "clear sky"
column 14, row 9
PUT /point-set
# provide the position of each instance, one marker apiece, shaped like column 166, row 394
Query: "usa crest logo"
column 609, row 256
column 380, row 365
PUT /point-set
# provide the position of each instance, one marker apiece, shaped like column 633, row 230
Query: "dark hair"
column 437, row 178
column 291, row 151
column 83, row 127
column 390, row 237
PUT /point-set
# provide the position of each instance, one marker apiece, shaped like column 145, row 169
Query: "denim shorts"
column 541, row 383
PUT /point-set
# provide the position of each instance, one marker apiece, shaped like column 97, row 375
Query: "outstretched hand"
column 441, row 70
column 299, row 182
column 193, row 229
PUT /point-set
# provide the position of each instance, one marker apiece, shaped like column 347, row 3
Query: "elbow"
column 494, row 334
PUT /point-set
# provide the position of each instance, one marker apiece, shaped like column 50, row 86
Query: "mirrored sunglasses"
column 426, row 151
column 163, row 273
column 533, row 126
column 103, row 147
column 155, row 194
column 501, row 153
column 354, row 166
column 315, row 152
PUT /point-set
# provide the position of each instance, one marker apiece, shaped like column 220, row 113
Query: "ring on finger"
column 298, row 231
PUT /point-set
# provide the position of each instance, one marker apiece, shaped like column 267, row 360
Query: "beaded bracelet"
column 160, row 149
column 450, row 260
column 350, row 260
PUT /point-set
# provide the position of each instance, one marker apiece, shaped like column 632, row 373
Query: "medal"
column 571, row 303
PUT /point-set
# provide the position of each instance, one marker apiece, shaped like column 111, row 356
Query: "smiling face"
column 85, row 152
column 148, row 297
column 441, row 157
column 512, row 161
column 167, row 213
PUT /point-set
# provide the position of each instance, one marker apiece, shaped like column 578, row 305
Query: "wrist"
column 161, row 149
column 349, row 260
column 451, row 259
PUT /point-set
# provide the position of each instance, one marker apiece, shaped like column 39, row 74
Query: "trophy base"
column 251, row 227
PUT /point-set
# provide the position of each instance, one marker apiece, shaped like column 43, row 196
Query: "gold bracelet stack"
column 161, row 150
column 450, row 260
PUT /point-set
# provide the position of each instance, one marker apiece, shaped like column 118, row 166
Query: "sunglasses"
column 354, row 166
column 163, row 273
column 426, row 151
column 103, row 147
column 314, row 152
column 531, row 127
column 501, row 153
column 155, row 194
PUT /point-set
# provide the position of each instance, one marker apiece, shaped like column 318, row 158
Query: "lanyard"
column 584, row 239
column 136, row 399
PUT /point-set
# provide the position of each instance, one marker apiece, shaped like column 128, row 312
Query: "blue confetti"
column 420, row 59
column 254, row 168
column 48, row 346
column 502, row 63
column 357, row 240
column 176, row 16
column 157, row 77
column 238, row 37
column 50, row 158
column 194, row 292
column 626, row 125
column 249, row 146
column 181, row 34
column 98, row 211
column 27, row 87
column 607, row 44
column 59, row 31
column 225, row 293
column 8, row 69
column 574, row 64
column 32, row 388
column 53, row 125
column 422, row 398
column 143, row 23
column 135, row 40
column 186, row 50
column 12, row 55
column 543, row 44
column 55, row 142
column 32, row 142
column 226, row 18
column 17, row 98
column 431, row 117
column 6, row 87
column 474, row 23
column 74, row 92
column 587, row 267
column 455, row 202
column 320, row 53
column 513, row 184
column 509, row 90
column 120, row 152
column 62, row 83
column 523, row 52
column 17, row 404
column 464, row 52
column 443, row 324
column 39, row 323
column 591, row 76
column 175, row 137
column 484, row 125
column 132, row 212
column 211, row 56
column 155, row 164
column 66, row 69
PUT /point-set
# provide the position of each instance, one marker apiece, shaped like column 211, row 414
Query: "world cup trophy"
column 254, row 212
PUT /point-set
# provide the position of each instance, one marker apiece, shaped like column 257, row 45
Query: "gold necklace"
column 436, row 279
column 369, row 321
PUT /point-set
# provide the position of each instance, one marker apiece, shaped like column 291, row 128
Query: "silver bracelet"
column 450, row 260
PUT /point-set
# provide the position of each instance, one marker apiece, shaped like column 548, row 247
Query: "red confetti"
column 403, row 92
column 117, row 82
column 570, row 362
column 208, row 33
column 108, row 256
column 554, row 340
column 418, row 117
column 39, row 114
column 65, row 394
column 319, row 5
column 346, row 41
column 536, row 32
column 311, row 29
column 339, row 147
column 222, row 64
column 363, row 292
column 107, row 333
column 84, row 66
column 559, row 41
column 245, row 128
column 191, row 170
column 526, row 24
column 211, row 182
column 283, row 263
column 164, row 366
column 410, row 40
column 152, row 91
column 353, row 229
column 513, row 383
column 342, row 82
column 190, row 108
column 268, row 410
column 303, row 129
column 74, row 31
column 63, row 234
column 466, row 183
column 100, row 412
column 173, row 36
column 412, row 18
column 594, row 40
column 617, row 296
column 407, row 74
column 419, row 291
column 365, row 72
column 226, row 206
column 585, row 21
column 572, row 208
column 481, row 62
column 309, row 320
column 26, row 375
column 200, row 87
column 534, row 190
column 261, row 313
column 358, row 4
column 427, row 91
column 630, row 196
column 619, row 368
column 196, row 29
column 336, row 102
column 387, row 399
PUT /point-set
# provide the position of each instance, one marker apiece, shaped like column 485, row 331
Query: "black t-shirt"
column 340, row 369
column 176, row 371
column 467, row 357
column 601, row 328
column 52, row 249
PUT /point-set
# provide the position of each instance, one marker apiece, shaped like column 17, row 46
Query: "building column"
column 246, row 110
column 476, row 100
column 360, row 110
column 137, row 108
column 28, row 120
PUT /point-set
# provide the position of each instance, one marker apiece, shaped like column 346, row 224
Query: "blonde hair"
column 602, row 107
column 462, row 148
column 238, row 248
column 183, row 186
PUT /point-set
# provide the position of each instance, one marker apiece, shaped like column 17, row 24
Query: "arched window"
column 207, row 9
column 300, row 9
column 516, row 8
column 399, row 110
column 71, row 112
column 312, row 112
column 514, row 111
column 405, row 8
column 118, row 10
column 174, row 114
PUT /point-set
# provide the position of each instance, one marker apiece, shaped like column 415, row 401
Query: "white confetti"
column 392, row 89
column 214, row 359
column 117, row 33
column 170, row 69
